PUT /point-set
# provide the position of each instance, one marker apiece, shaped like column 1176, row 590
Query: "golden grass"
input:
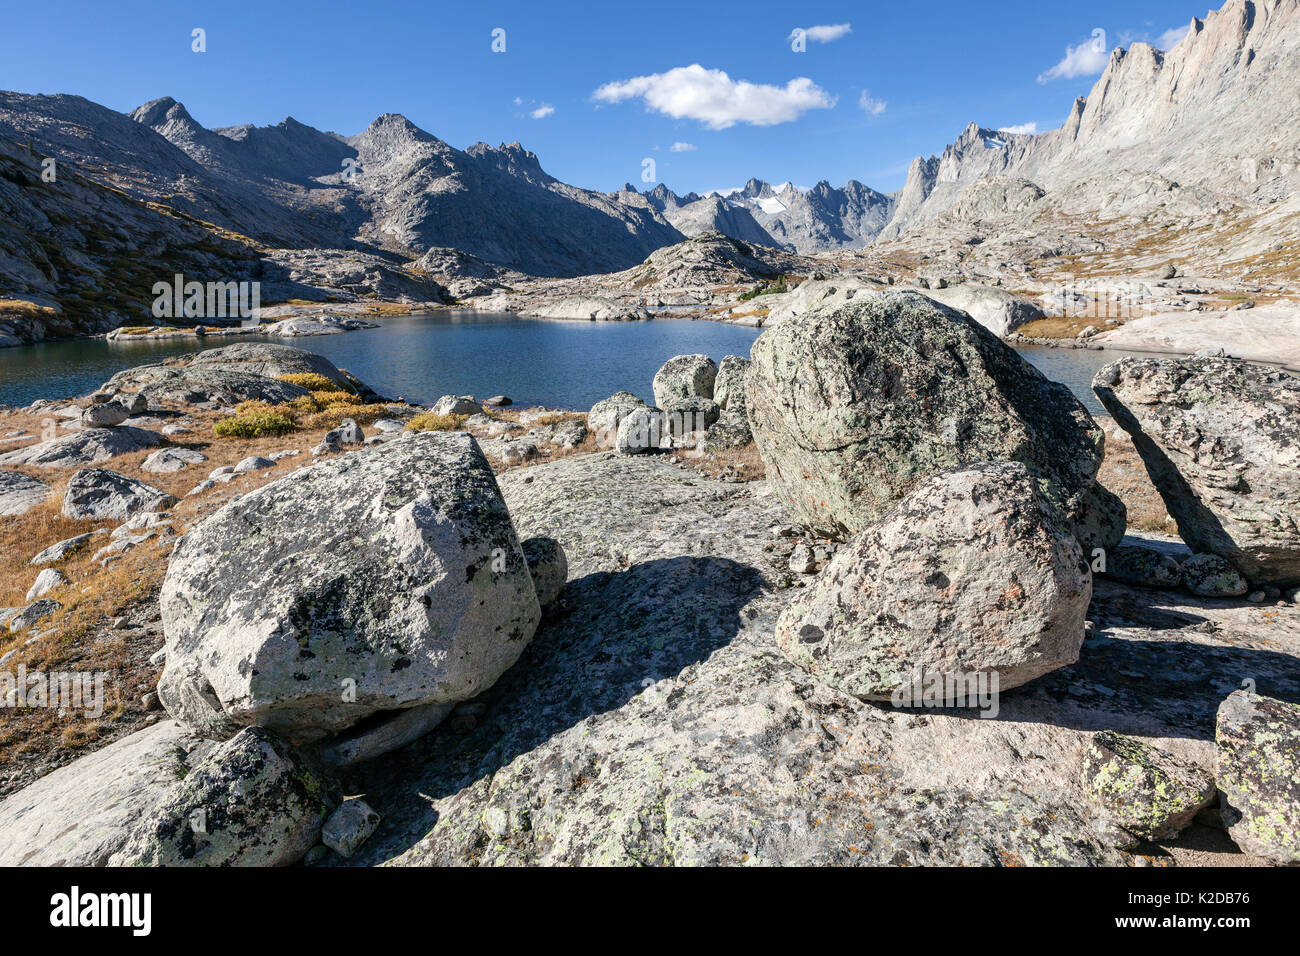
column 1124, row 474
column 429, row 422
column 23, row 307
column 310, row 381
column 1060, row 326
column 743, row 463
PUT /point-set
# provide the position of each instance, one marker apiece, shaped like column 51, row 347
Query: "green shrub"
column 254, row 424
column 766, row 288
column 334, row 415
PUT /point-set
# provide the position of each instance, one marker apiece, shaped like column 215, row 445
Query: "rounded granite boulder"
column 372, row 582
column 853, row 405
column 974, row 573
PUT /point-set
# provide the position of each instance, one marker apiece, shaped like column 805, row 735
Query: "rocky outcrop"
column 1145, row 790
column 20, row 493
column 660, row 672
column 590, row 307
column 249, row 801
column 1258, row 740
column 1221, row 441
column 973, row 575
column 230, row 375
column 853, row 406
column 310, row 632
column 83, row 813
column 685, row 376
column 86, row 447
column 97, row 494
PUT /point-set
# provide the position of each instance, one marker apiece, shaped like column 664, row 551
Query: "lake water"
column 535, row 362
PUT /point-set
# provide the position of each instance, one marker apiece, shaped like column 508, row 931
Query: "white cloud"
column 682, row 147
column 543, row 111
column 518, row 101
column 716, row 100
column 1089, row 58
column 1024, row 129
column 1171, row 38
column 824, row 33
column 868, row 105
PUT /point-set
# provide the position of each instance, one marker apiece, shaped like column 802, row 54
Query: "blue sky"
column 596, row 89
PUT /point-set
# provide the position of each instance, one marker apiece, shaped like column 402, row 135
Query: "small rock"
column 1208, row 575
column 349, row 826
column 97, row 494
column 169, row 460
column 1147, row 791
column 46, row 581
column 33, row 614
column 456, row 405
column 253, row 463
column 1144, row 567
column 802, row 560
column 640, row 430
column 106, row 415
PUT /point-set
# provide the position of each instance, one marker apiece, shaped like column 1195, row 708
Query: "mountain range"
column 1217, row 114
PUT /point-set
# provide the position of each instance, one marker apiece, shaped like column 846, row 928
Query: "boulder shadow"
column 611, row 636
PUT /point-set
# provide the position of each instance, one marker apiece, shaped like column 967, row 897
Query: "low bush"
column 254, row 424
column 333, row 416
column 312, row 382
column 429, row 422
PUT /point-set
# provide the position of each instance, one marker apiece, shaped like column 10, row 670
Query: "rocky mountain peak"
column 160, row 111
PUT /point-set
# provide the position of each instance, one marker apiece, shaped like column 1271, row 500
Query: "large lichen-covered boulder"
column 249, row 801
column 685, row 376
column 83, row 813
column 974, row 573
column 851, row 407
column 98, row 494
column 729, row 386
column 1221, row 441
column 376, row 581
column 1147, row 791
column 1258, row 741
